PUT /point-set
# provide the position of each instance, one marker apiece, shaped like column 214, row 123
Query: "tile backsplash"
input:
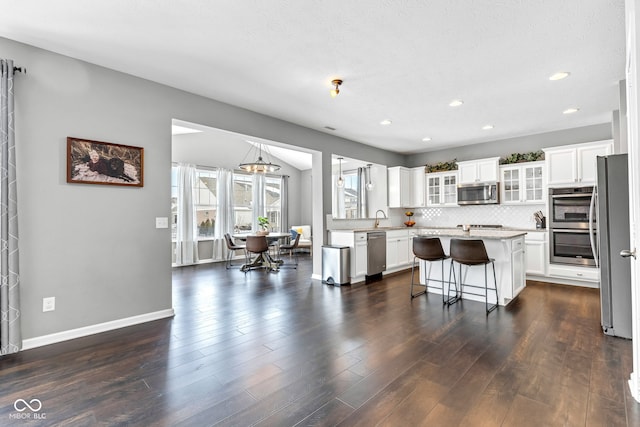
column 516, row 216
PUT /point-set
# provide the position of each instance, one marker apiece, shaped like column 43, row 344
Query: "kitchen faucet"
column 378, row 220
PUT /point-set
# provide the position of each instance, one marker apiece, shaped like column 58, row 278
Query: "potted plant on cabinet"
column 263, row 222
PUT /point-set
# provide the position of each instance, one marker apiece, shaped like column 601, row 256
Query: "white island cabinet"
column 506, row 247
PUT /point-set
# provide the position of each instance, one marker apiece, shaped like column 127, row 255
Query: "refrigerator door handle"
column 626, row 253
column 592, row 237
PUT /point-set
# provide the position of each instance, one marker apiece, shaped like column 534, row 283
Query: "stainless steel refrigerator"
column 612, row 236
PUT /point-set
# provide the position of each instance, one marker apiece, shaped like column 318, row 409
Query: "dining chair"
column 291, row 247
column 232, row 247
column 259, row 246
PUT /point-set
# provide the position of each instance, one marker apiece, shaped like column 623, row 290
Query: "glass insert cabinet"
column 522, row 183
column 442, row 189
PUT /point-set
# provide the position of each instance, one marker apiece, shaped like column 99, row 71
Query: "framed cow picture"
column 95, row 162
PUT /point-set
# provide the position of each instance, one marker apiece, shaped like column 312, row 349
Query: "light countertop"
column 480, row 233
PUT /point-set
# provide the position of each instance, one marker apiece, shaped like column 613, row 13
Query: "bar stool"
column 470, row 253
column 430, row 249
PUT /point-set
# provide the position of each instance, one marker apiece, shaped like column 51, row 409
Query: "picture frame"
column 104, row 163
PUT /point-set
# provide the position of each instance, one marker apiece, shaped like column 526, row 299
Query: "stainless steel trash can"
column 336, row 268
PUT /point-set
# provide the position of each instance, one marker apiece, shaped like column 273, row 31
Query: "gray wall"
column 94, row 247
column 523, row 144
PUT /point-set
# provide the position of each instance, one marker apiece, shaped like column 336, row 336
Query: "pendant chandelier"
column 259, row 165
column 340, row 181
column 369, row 185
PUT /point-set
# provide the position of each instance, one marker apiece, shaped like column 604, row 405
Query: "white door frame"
column 632, row 80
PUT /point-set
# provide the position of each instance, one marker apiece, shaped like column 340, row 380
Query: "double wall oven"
column 572, row 234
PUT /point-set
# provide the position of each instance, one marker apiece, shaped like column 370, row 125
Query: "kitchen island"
column 506, row 247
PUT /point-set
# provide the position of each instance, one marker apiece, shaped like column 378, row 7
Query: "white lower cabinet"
column 571, row 272
column 517, row 266
column 357, row 242
column 536, row 257
column 360, row 255
column 397, row 249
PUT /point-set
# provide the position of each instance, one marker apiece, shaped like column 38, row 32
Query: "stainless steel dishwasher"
column 376, row 252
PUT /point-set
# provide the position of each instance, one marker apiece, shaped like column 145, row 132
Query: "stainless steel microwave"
column 479, row 193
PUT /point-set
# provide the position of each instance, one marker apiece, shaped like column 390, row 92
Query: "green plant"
column 263, row 222
column 442, row 166
column 532, row 156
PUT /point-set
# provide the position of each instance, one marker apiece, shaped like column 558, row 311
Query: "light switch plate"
column 162, row 222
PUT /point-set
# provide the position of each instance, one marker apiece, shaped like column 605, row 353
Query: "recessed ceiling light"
column 456, row 103
column 385, row 122
column 487, row 127
column 559, row 75
column 571, row 110
column 426, row 139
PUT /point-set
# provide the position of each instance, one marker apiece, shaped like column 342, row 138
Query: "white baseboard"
column 95, row 329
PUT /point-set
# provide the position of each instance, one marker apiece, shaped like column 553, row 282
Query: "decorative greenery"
column 533, row 156
column 263, row 222
column 442, row 166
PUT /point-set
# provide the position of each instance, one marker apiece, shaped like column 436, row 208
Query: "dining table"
column 263, row 259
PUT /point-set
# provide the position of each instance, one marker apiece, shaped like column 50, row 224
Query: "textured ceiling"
column 400, row 60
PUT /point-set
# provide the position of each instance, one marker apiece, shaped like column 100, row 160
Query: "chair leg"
column 452, row 299
column 413, row 266
column 489, row 308
column 227, row 264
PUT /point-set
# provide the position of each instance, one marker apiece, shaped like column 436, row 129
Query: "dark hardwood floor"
column 276, row 349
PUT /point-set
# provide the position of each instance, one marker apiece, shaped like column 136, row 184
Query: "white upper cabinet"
column 483, row 170
column 522, row 183
column 406, row 187
column 575, row 164
column 442, row 188
column 417, row 187
column 400, row 188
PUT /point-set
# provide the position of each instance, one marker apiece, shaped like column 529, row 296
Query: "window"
column 273, row 201
column 206, row 201
column 351, row 194
column 242, row 199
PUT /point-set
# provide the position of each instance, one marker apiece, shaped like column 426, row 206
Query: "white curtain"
column 187, row 226
column 284, row 203
column 10, row 331
column 224, row 219
column 258, row 207
column 363, row 203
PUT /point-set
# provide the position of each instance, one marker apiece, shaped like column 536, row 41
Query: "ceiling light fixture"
column 487, row 127
column 456, row 103
column 259, row 165
column 571, row 110
column 335, row 91
column 426, row 139
column 340, row 180
column 559, row 75
column 369, row 185
column 385, row 122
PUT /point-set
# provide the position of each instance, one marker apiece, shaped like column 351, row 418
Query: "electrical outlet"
column 48, row 304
